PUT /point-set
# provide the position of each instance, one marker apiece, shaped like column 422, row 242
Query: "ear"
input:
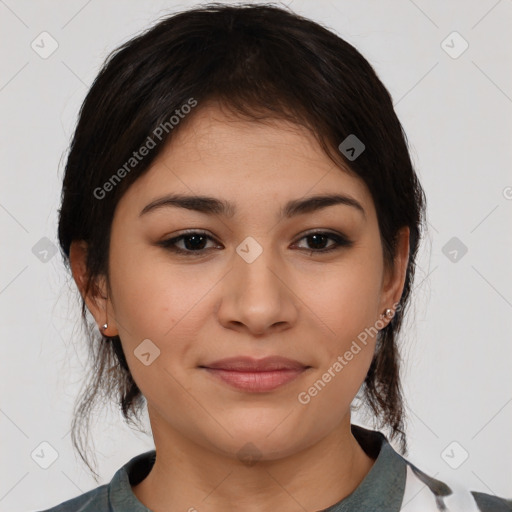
column 96, row 298
column 394, row 277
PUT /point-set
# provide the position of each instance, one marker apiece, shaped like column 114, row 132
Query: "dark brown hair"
column 260, row 61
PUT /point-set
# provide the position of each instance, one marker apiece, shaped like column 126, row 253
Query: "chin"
column 264, row 440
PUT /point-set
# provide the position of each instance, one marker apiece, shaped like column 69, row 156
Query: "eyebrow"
column 215, row 206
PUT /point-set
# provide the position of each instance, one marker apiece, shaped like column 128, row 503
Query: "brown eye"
column 318, row 239
column 193, row 242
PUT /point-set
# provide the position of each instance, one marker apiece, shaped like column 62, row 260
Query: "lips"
column 255, row 375
column 249, row 364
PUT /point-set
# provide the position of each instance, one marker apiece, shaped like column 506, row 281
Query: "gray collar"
column 383, row 487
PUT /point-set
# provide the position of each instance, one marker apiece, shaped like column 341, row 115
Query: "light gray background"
column 457, row 113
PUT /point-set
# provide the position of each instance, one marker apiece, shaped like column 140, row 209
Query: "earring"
column 389, row 313
column 105, row 327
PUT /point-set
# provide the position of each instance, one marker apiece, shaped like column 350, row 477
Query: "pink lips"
column 256, row 375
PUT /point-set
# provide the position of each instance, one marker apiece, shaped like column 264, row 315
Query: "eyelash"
column 340, row 242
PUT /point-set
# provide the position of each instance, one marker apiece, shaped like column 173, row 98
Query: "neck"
column 190, row 477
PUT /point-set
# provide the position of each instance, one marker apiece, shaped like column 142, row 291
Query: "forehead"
column 219, row 135
column 218, row 153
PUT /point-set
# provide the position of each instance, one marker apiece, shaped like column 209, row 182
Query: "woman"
column 242, row 218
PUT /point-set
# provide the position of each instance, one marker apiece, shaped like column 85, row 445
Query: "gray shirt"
column 382, row 489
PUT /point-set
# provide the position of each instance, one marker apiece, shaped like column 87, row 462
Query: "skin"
column 289, row 302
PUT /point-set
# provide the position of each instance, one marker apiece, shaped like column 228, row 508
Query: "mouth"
column 255, row 375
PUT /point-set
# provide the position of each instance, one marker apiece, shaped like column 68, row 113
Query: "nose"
column 257, row 296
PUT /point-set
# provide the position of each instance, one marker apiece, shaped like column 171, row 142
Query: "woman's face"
column 253, row 281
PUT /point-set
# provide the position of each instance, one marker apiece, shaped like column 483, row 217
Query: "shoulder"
column 95, row 500
column 116, row 495
column 423, row 492
column 396, row 484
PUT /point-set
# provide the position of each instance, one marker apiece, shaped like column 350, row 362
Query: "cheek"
column 348, row 306
column 151, row 296
column 349, row 310
column 348, row 299
column 155, row 301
